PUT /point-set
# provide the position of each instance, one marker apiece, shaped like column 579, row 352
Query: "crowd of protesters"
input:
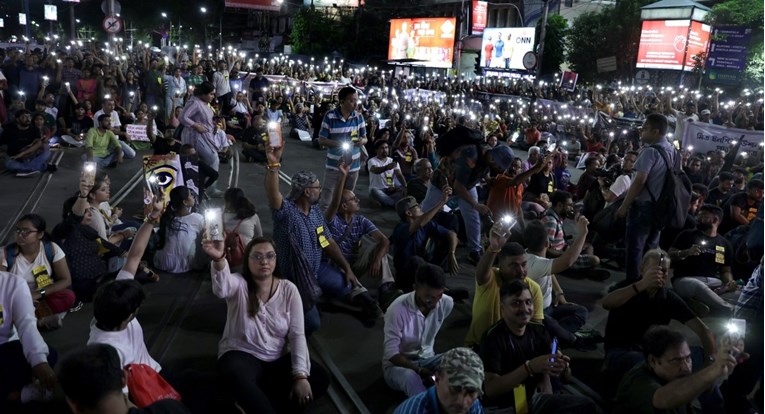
column 437, row 150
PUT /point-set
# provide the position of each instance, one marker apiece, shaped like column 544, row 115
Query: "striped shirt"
column 554, row 226
column 426, row 402
column 337, row 128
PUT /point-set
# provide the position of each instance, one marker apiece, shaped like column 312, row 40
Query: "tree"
column 746, row 13
column 555, row 43
column 586, row 45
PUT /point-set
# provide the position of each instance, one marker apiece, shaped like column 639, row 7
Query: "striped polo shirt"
column 337, row 128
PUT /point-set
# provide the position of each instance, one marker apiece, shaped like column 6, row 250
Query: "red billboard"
column 479, row 15
column 665, row 43
column 427, row 41
column 270, row 5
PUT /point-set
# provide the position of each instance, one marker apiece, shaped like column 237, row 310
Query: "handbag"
column 146, row 386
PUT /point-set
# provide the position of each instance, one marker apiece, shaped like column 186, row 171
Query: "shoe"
column 458, row 294
column 699, row 308
column 474, row 258
column 51, row 168
column 599, row 275
column 588, row 339
column 77, row 306
column 28, row 174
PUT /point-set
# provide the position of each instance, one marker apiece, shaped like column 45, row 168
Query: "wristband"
column 274, row 165
column 152, row 220
column 529, row 371
column 635, row 288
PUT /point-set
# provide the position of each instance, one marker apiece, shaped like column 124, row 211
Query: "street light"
column 203, row 9
column 164, row 15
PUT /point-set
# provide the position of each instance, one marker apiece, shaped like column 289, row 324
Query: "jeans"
column 407, row 380
column 386, row 199
column 111, row 158
column 469, row 215
column 265, row 387
column 700, row 289
column 331, row 178
column 38, row 163
column 311, row 320
column 332, row 281
column 563, row 320
column 641, row 235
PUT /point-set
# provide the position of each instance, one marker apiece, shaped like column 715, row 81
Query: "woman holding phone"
column 263, row 356
column 179, row 230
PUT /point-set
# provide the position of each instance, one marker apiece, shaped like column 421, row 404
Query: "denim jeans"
column 311, row 320
column 641, row 235
column 407, row 380
column 700, row 289
column 386, row 199
column 332, row 281
column 38, row 163
column 469, row 215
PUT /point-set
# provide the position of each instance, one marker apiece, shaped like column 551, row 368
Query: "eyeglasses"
column 269, row 257
column 25, row 232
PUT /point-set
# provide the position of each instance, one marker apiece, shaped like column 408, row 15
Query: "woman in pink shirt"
column 263, row 355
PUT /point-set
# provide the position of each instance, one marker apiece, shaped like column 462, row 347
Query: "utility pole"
column 25, row 3
column 72, row 30
column 542, row 38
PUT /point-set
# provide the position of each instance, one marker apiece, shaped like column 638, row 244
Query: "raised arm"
column 273, row 156
column 138, row 247
column 337, row 194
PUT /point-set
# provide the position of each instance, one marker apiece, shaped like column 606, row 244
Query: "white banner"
column 709, row 137
column 137, row 132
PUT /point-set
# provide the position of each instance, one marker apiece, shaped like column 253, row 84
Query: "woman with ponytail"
column 179, row 232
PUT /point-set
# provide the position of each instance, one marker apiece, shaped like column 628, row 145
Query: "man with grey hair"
column 301, row 235
column 534, row 154
column 418, row 186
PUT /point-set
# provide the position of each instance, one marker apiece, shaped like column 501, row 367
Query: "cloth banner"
column 709, row 137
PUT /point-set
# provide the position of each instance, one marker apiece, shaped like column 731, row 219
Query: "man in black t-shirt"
column 92, row 378
column 518, row 360
column 719, row 195
column 634, row 307
column 27, row 153
column 75, row 127
column 703, row 263
column 741, row 208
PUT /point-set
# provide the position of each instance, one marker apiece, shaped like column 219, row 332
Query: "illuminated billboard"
column 425, row 41
column 664, row 44
column 270, row 5
column 480, row 9
column 503, row 48
column 331, row 3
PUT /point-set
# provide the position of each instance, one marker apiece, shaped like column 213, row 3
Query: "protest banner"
column 703, row 137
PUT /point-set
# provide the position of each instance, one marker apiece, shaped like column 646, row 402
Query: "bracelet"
column 529, row 371
column 152, row 220
column 635, row 288
column 274, row 165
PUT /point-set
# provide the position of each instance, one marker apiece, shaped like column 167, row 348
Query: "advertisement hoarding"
column 270, row 5
column 503, row 48
column 664, row 43
column 729, row 47
column 330, row 3
column 478, row 17
column 51, row 12
column 427, row 41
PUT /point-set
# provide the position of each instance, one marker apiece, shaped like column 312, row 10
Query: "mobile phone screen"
column 554, row 349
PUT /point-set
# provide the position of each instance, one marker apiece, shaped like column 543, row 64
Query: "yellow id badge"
column 521, row 403
column 322, row 238
column 719, row 258
column 389, row 180
column 42, row 278
column 550, row 187
column 408, row 157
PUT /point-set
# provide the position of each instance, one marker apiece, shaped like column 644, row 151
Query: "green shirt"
column 101, row 142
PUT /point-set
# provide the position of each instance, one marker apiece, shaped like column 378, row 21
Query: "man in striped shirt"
column 343, row 125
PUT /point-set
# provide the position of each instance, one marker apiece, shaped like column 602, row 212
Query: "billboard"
column 479, row 15
column 664, row 43
column 270, row 5
column 51, row 12
column 331, row 3
column 503, row 48
column 427, row 41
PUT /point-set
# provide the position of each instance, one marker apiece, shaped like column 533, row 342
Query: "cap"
column 501, row 156
column 706, row 112
column 463, row 367
column 403, row 205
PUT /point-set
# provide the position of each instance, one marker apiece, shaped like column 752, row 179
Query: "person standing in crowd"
column 198, row 127
column 240, row 215
column 642, row 232
column 175, row 91
column 220, row 81
column 343, row 125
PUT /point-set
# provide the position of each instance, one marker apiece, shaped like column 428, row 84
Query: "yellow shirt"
column 486, row 306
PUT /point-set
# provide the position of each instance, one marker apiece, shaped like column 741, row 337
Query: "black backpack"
column 457, row 137
column 670, row 209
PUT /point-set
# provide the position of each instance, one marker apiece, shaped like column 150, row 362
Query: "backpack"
column 234, row 246
column 458, row 136
column 670, row 208
column 12, row 250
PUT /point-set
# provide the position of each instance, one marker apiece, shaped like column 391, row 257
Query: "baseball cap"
column 403, row 205
column 464, row 368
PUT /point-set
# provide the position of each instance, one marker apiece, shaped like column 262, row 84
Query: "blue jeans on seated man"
column 103, row 162
column 387, row 199
column 563, row 320
column 37, row 163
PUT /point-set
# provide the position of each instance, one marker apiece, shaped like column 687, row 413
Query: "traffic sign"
column 642, row 76
column 530, row 60
column 112, row 24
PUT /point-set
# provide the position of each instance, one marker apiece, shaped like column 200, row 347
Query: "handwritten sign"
column 137, row 132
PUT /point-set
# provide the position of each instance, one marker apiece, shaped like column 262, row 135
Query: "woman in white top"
column 42, row 265
column 263, row 355
column 240, row 215
column 179, row 232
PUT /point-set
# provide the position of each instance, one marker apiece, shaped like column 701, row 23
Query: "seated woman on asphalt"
column 240, row 215
column 263, row 355
column 179, row 231
column 42, row 265
column 95, row 196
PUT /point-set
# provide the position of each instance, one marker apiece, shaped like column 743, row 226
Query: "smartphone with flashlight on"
column 213, row 224
column 554, row 349
column 735, row 333
column 274, row 134
column 89, row 172
column 153, row 184
column 347, row 153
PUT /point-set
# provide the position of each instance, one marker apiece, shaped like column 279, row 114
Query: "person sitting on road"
column 42, row 264
column 540, row 188
column 27, row 153
column 634, row 307
column 418, row 234
column 387, row 184
column 92, row 378
column 562, row 207
column 411, row 324
column 418, row 186
column 76, row 126
column 179, row 232
column 102, row 146
column 665, row 382
column 720, row 194
column 703, row 260
column 301, row 235
column 518, row 360
column 458, row 384
column 363, row 246
column 98, row 194
column 404, row 154
column 263, row 355
column 742, row 208
column 115, row 126
column 511, row 265
column 240, row 215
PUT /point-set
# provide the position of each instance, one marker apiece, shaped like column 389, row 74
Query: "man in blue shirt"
column 343, row 125
column 458, row 385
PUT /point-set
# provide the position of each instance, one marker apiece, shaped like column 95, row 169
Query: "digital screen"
column 503, row 48
column 480, row 9
column 330, row 3
column 423, row 41
column 271, row 5
column 664, row 43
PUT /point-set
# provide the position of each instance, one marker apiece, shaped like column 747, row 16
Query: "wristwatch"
column 41, row 292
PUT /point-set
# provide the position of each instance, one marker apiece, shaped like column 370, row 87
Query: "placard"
column 137, row 132
column 51, row 12
column 423, row 41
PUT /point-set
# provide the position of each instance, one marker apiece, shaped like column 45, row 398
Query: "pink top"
column 277, row 328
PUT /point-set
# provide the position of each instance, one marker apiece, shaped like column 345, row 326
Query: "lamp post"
column 203, row 10
column 542, row 38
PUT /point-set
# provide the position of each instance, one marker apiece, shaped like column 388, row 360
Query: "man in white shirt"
column 411, row 324
column 622, row 183
column 387, row 184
